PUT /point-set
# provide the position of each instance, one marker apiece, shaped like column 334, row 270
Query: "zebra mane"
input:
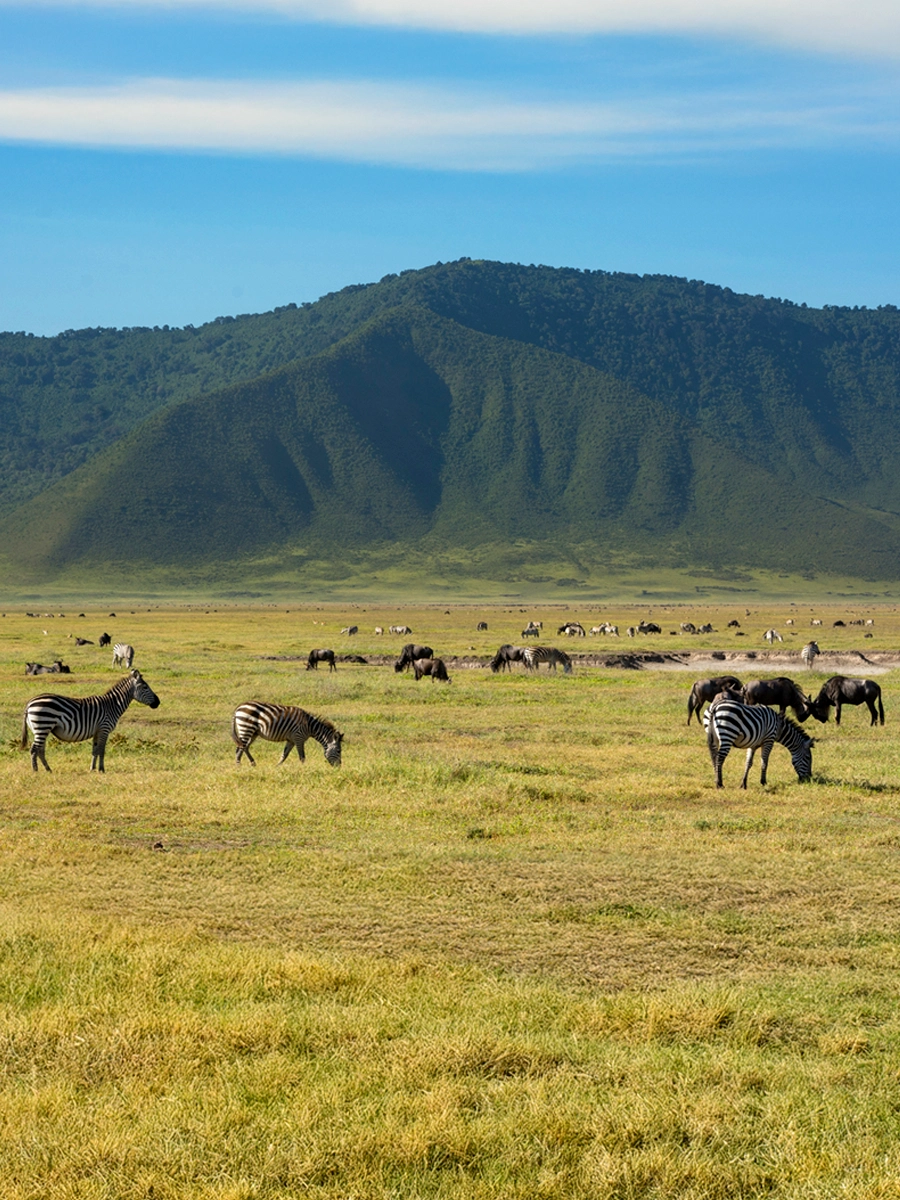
column 321, row 726
column 792, row 725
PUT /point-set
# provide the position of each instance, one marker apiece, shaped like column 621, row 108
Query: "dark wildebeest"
column 782, row 692
column 410, row 653
column 79, row 641
column 430, row 666
column 104, row 640
column 482, row 626
column 705, row 690
column 840, row 690
column 57, row 668
column 317, row 656
column 648, row 627
column 505, row 655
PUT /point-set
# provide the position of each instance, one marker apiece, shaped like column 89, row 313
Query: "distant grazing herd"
column 738, row 715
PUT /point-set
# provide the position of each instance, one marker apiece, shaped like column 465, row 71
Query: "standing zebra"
column 123, row 655
column 809, row 652
column 283, row 723
column 533, row 656
column 76, row 720
column 729, row 723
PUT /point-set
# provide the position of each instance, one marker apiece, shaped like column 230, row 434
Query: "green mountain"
column 461, row 405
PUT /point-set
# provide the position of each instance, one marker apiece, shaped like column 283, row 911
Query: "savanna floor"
column 517, row 945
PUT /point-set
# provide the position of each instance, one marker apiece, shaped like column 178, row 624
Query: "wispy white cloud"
column 845, row 27
column 418, row 126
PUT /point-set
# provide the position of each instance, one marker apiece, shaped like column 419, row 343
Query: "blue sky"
column 168, row 162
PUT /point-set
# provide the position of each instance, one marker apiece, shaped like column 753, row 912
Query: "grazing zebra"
column 402, row 629
column 772, row 635
column 729, row 723
column 317, row 656
column 75, row 720
column 350, row 630
column 283, row 723
column 123, row 655
column 571, row 629
column 809, row 652
column 533, row 656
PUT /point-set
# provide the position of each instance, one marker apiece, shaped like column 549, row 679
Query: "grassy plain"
column 517, row 946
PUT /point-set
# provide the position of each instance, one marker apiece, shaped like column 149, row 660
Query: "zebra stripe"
column 729, row 723
column 123, row 655
column 533, row 656
column 809, row 653
column 283, row 723
column 75, row 720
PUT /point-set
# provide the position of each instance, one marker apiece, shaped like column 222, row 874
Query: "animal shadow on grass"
column 865, row 785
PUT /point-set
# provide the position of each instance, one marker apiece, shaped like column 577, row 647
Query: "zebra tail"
column 23, row 745
column 234, row 736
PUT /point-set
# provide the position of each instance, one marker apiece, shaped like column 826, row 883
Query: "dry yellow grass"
column 518, row 945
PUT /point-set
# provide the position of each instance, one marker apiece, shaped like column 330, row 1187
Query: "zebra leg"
column 244, row 748
column 748, row 764
column 98, row 750
column 764, row 758
column 288, row 747
column 38, row 751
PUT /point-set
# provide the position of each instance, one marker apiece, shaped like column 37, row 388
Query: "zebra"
column 283, row 723
column 533, row 656
column 123, row 655
column 75, row 720
column 729, row 723
column 809, row 652
column 772, row 635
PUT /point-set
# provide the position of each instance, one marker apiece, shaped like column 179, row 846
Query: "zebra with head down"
column 533, row 656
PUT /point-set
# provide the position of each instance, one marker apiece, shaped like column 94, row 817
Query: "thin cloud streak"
column 418, row 126
column 868, row 28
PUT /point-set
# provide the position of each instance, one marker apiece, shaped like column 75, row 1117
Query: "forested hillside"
column 467, row 401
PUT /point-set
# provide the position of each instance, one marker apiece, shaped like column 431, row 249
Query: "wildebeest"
column 840, row 690
column 57, row 668
column 571, row 629
column 734, row 624
column 505, row 655
column 705, row 690
column 430, row 666
column 317, row 656
column 688, row 627
column 648, row 627
column 104, row 640
column 482, row 627
column 410, row 653
column 782, row 692
column 80, row 641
